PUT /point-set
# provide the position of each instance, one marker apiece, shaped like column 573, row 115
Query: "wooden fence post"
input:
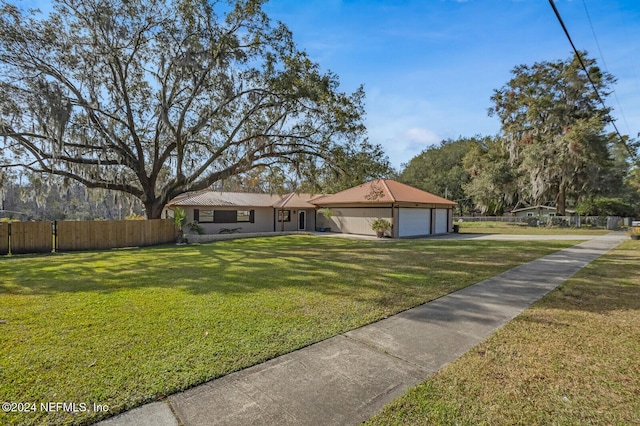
column 55, row 235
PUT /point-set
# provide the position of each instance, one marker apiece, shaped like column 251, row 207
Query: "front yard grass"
column 572, row 358
column 515, row 228
column 123, row 327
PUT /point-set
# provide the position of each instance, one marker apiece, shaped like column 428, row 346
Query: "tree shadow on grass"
column 395, row 275
column 329, row 266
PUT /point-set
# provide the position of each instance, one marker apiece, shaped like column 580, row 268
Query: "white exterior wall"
column 311, row 220
column 263, row 220
column 414, row 222
column 354, row 220
column 442, row 221
column 293, row 224
column 536, row 213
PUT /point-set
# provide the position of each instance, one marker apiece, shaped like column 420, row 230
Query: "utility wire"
column 593, row 31
column 595, row 89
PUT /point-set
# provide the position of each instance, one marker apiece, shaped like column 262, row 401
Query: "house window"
column 205, row 216
column 284, row 215
column 223, row 216
column 529, row 214
column 552, row 214
column 244, row 216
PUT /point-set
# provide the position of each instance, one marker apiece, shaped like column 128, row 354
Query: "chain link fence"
column 601, row 222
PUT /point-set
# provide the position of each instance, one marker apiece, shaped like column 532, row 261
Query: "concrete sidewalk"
column 350, row 377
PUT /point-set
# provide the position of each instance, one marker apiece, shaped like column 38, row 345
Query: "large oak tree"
column 492, row 183
column 439, row 169
column 553, row 124
column 155, row 98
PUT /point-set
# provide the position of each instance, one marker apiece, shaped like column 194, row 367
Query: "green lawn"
column 570, row 359
column 125, row 327
column 516, row 228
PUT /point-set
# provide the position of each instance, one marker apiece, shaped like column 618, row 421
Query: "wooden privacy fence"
column 4, row 238
column 43, row 237
column 31, row 237
column 112, row 234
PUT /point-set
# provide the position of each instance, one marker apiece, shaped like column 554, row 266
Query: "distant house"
column 538, row 211
column 217, row 211
column 412, row 212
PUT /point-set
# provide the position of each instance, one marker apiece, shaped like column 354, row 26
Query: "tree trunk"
column 153, row 209
column 561, row 201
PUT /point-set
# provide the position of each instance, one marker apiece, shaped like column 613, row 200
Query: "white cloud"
column 404, row 126
column 421, row 136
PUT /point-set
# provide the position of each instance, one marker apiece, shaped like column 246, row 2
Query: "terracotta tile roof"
column 382, row 191
column 242, row 199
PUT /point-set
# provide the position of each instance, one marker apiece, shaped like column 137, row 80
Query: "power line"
column 604, row 63
column 595, row 89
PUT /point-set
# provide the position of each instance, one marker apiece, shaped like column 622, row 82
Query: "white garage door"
column 413, row 222
column 441, row 221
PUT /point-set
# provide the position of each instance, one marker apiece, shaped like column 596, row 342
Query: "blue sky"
column 429, row 67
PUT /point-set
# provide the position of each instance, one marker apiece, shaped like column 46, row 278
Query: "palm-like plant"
column 180, row 219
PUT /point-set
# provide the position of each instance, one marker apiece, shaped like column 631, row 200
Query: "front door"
column 302, row 220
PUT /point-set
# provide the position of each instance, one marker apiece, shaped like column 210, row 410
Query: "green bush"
column 602, row 206
column 381, row 225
